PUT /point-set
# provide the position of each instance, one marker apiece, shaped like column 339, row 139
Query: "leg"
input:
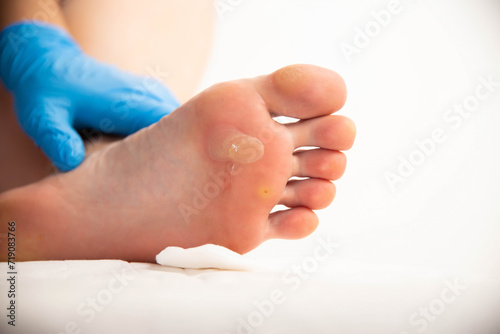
column 161, row 187
column 171, row 37
column 21, row 161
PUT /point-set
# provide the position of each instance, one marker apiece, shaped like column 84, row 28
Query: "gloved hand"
column 58, row 89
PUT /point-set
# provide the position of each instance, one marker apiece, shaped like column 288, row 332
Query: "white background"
column 446, row 215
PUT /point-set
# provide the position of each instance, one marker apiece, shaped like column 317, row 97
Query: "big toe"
column 303, row 91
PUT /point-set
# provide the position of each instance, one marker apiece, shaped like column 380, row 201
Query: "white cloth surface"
column 338, row 297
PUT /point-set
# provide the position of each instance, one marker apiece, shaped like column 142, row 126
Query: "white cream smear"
column 205, row 257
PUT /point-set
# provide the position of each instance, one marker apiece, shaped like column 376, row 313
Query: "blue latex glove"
column 58, row 89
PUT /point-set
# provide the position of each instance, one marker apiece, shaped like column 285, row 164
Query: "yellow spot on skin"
column 265, row 192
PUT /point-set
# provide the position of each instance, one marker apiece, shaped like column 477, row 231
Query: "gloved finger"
column 118, row 97
column 64, row 147
column 125, row 114
column 157, row 89
column 148, row 86
column 145, row 115
column 107, row 82
column 48, row 124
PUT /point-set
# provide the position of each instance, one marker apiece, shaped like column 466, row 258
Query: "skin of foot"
column 210, row 172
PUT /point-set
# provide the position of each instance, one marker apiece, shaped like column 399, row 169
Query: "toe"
column 332, row 132
column 294, row 223
column 314, row 194
column 302, row 91
column 319, row 163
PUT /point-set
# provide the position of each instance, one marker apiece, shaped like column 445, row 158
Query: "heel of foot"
column 232, row 145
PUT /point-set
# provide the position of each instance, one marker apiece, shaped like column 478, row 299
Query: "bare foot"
column 210, row 172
